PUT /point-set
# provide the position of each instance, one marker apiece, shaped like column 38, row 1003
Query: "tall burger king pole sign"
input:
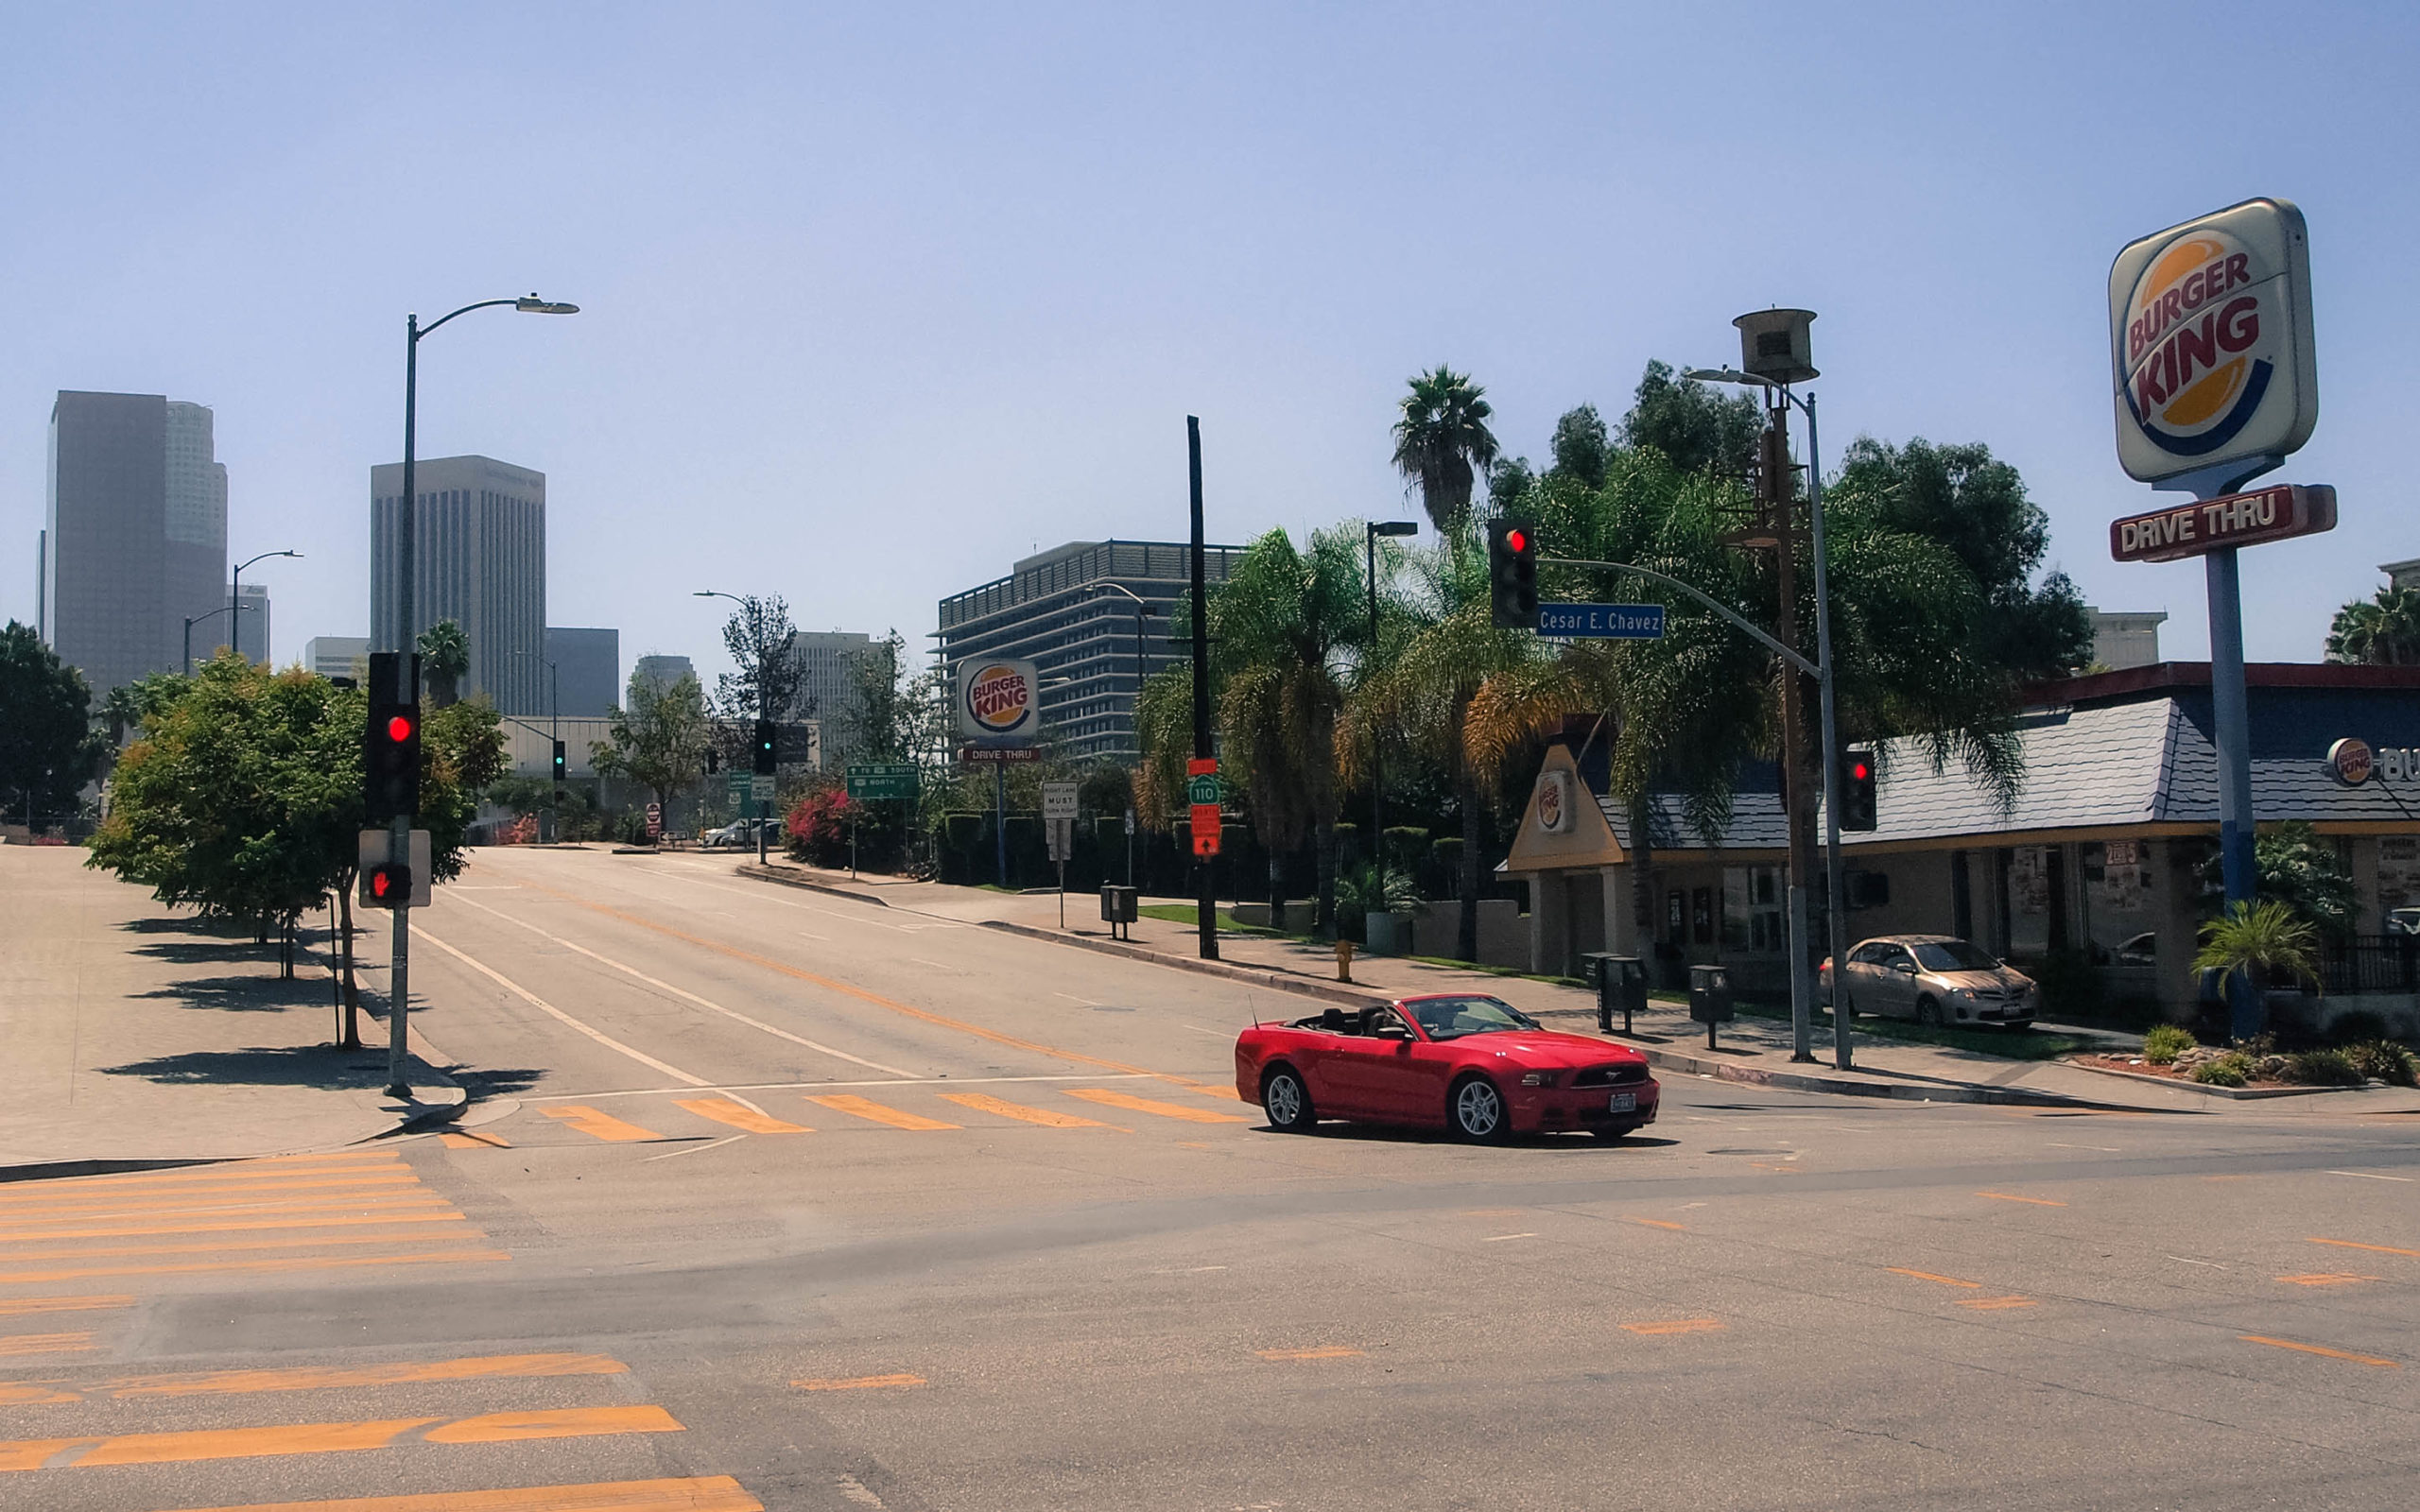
column 2216, row 382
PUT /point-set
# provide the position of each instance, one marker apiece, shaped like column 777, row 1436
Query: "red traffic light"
column 399, row 729
column 1859, row 770
column 1517, row 539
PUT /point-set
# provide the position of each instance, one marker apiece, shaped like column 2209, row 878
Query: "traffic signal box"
column 390, row 741
column 558, row 760
column 1857, row 788
column 769, row 759
column 1512, row 576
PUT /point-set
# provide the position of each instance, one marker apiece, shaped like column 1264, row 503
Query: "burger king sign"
column 2211, row 338
column 999, row 702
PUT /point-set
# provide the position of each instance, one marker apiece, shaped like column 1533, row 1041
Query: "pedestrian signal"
column 388, row 886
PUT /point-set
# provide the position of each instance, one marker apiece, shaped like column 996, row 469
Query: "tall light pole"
column 1835, row 882
column 192, row 619
column 764, row 708
column 234, row 581
column 1371, row 531
column 1142, row 607
column 399, row 834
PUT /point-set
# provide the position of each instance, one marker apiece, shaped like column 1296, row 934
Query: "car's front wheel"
column 1477, row 1111
column 1286, row 1102
column 1929, row 1013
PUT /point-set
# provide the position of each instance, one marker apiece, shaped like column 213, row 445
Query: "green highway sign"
column 1201, row 790
column 882, row 779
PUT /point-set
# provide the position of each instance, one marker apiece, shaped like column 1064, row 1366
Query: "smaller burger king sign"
column 999, row 702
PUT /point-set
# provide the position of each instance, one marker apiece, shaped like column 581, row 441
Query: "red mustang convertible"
column 1475, row 1065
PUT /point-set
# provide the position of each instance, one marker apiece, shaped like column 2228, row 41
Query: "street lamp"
column 764, row 708
column 1141, row 608
column 192, row 619
column 398, row 835
column 1782, row 369
column 234, row 581
column 554, row 735
column 1369, row 533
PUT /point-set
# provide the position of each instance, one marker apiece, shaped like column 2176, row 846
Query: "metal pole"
column 1377, row 797
column 399, row 832
column 235, row 586
column 1206, row 903
column 1780, row 497
column 1142, row 611
column 1835, row 878
column 764, row 712
column 1000, row 816
column 188, row 665
column 2231, row 726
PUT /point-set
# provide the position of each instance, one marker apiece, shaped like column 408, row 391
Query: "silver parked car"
column 1936, row 979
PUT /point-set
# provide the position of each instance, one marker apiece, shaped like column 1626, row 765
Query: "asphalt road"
column 773, row 1198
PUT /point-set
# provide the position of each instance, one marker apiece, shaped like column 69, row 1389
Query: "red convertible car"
column 1475, row 1065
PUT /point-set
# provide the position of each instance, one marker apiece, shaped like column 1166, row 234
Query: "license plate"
column 1623, row 1103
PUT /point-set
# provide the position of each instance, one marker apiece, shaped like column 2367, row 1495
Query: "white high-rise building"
column 338, row 656
column 480, row 560
column 252, row 622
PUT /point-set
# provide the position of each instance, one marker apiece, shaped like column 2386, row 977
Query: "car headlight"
column 1966, row 992
column 1537, row 1078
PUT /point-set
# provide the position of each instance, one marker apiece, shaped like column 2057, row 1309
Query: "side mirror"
column 1905, row 967
column 1391, row 1031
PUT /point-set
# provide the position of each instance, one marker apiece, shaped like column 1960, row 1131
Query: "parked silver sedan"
column 1936, row 979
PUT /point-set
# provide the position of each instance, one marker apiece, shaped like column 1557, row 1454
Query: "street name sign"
column 882, row 779
column 2279, row 513
column 1604, row 621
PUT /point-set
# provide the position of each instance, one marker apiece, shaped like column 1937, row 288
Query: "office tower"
column 252, row 622
column 587, row 671
column 338, row 656
column 135, row 537
column 661, row 672
column 479, row 558
column 826, row 660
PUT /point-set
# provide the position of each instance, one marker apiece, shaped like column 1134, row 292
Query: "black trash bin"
column 1710, row 998
column 1621, row 988
column 1119, row 906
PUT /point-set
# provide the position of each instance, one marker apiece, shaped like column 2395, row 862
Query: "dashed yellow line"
column 13, row 1345
column 1994, row 1304
column 2355, row 1244
column 1677, row 1325
column 1318, row 1351
column 15, row 1277
column 2009, row 1197
column 2320, row 1349
column 2326, row 1279
column 20, row 1306
column 244, row 1382
column 1928, row 1275
column 327, row 1438
column 1656, row 1223
column 708, row 1493
column 887, row 1382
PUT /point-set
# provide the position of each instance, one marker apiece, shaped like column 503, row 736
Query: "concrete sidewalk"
column 1750, row 1050
column 138, row 1035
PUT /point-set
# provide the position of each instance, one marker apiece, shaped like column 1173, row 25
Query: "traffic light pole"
column 399, row 829
column 1835, row 876
column 1205, row 890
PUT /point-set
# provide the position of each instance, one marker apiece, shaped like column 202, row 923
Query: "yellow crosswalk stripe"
column 1145, row 1105
column 876, row 1113
column 440, row 1214
column 481, row 1140
column 203, row 1179
column 316, row 1242
column 20, row 1306
column 708, row 1493
column 17, row 1344
column 242, row 1382
column 596, row 1122
column 723, row 1110
column 1044, row 1116
column 54, row 1201
column 21, row 1277
column 329, row 1438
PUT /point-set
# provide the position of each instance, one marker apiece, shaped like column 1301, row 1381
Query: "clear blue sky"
column 878, row 297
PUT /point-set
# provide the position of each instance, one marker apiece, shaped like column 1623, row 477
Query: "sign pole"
column 1205, row 905
column 2231, row 727
column 1000, row 816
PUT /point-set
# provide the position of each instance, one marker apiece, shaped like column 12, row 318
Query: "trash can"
column 1710, row 998
column 1621, row 988
column 1119, row 906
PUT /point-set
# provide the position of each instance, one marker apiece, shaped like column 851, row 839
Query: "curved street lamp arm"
column 1115, row 587
column 1728, row 613
column 422, row 331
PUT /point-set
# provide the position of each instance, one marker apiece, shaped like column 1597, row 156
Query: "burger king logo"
column 2199, row 348
column 2351, row 759
column 1554, row 801
column 999, row 698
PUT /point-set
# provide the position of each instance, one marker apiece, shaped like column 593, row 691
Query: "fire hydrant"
column 1344, row 960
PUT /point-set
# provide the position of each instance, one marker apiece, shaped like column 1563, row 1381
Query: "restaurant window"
column 1752, row 913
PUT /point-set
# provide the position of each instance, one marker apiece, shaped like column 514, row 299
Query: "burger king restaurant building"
column 2101, row 853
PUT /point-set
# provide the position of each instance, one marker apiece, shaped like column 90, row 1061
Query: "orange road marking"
column 120, row 1251
column 1043, row 1116
column 2003, row 1197
column 1491, row 1212
column 418, row 1198
column 2320, row 1349
column 1928, row 1275
column 206, row 1179
column 2326, row 1279
column 1678, row 1324
column 1213, row 1089
column 14, row 1277
column 875, row 1113
column 1994, row 1304
column 710, row 1493
column 596, row 1122
column 441, row 1214
column 1145, row 1105
column 860, row 1383
column 1776, row 1166
column 327, row 1438
column 54, row 1201
column 15, row 1307
column 723, row 1110
column 2355, row 1244
column 14, row 1344
column 1656, row 1223
column 474, row 1142
column 238, row 1382
column 1322, row 1352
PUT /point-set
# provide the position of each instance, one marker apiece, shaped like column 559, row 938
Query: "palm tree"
column 2380, row 631
column 2261, row 939
column 1443, row 444
column 444, row 657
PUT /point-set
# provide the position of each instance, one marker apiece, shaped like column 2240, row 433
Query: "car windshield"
column 1951, row 955
column 1452, row 1018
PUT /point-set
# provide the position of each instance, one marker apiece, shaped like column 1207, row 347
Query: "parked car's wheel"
column 1477, row 1111
column 1286, row 1100
column 1929, row 1012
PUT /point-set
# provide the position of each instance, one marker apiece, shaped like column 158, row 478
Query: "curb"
column 769, row 874
column 2212, row 1089
column 1282, row 982
column 1896, row 1092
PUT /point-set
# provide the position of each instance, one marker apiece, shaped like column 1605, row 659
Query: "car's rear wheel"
column 1286, row 1102
column 1929, row 1013
column 1477, row 1111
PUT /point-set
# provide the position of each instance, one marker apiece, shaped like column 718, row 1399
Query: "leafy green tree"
column 444, row 660
column 2379, row 631
column 1697, row 428
column 1443, row 445
column 2263, row 939
column 1583, row 447
column 768, row 678
column 46, row 745
column 879, row 724
column 659, row 740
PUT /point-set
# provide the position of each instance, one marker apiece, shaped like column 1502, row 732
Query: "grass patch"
column 1188, row 913
column 2022, row 1044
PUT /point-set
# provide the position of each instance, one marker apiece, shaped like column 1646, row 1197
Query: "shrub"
column 2386, row 1060
column 2164, row 1042
column 817, row 827
column 2227, row 1071
column 2322, row 1068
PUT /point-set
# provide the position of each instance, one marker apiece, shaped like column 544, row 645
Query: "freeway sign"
column 876, row 780
column 1203, row 791
column 1617, row 622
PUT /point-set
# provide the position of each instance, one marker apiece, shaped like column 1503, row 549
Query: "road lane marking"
column 723, row 1110
column 476, row 1140
column 2106, row 1149
column 700, row 1149
column 2326, row 1279
column 20, row 1306
column 1215, row 1088
column 1678, row 1324
column 1044, row 1116
column 1317, row 1352
column 1928, row 1275
column 76, row 1272
column 1994, row 1304
column 2005, row 1196
column 109, row 1190
column 886, row 1082
column 1145, row 1105
column 398, row 1202
column 91, row 1202
column 876, row 1113
column 1656, row 1223
column 440, row 1214
column 2355, row 1244
column 551, row 1011
column 2320, row 1349
column 710, row 1493
column 245, row 1383
column 861, row 1383
column 598, row 1123
column 327, row 1438
column 2372, row 1175
column 687, row 996
column 69, row 1343
column 316, row 1242
column 1497, row 1239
